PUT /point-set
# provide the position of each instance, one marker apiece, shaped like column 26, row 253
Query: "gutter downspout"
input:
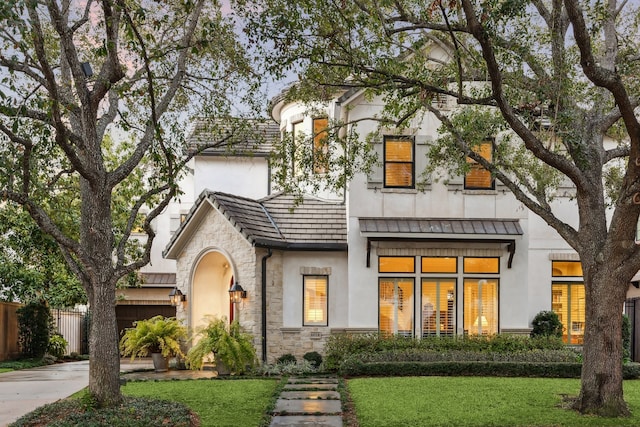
column 264, row 305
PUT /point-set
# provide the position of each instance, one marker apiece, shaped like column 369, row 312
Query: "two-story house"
column 461, row 256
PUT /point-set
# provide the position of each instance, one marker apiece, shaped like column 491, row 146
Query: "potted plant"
column 230, row 347
column 159, row 337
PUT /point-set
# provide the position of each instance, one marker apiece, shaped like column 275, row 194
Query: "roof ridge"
column 304, row 197
column 272, row 221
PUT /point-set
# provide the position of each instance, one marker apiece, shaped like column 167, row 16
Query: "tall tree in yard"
column 74, row 72
column 555, row 81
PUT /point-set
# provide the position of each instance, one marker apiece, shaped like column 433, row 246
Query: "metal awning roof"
column 440, row 226
column 486, row 230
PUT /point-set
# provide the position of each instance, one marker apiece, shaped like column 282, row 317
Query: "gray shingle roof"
column 489, row 227
column 276, row 221
column 314, row 220
column 235, row 137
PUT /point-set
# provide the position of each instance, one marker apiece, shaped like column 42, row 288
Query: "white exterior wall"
column 333, row 264
column 242, row 176
column 524, row 289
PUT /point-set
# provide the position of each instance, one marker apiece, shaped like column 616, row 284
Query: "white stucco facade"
column 520, row 285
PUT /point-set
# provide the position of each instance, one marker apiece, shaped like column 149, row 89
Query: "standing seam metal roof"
column 490, row 227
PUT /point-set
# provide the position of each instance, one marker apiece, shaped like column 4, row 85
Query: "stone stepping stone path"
column 308, row 402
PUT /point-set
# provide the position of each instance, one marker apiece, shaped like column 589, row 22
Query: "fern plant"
column 156, row 335
column 227, row 343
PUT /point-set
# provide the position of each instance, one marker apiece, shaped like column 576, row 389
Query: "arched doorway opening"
column 210, row 288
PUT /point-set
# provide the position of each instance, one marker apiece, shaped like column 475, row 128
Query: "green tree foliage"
column 74, row 73
column 31, row 265
column 555, row 83
column 34, row 324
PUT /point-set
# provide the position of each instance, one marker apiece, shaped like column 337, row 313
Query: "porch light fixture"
column 176, row 297
column 236, row 293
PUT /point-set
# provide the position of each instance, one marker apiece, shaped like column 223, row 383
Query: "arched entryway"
column 212, row 277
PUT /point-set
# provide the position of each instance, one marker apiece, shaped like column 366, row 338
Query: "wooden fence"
column 9, row 347
column 73, row 325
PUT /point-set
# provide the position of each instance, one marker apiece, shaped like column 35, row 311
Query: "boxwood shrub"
column 355, row 367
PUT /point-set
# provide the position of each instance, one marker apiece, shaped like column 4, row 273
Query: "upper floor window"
column 297, row 133
column 478, row 178
column 399, row 162
column 320, row 145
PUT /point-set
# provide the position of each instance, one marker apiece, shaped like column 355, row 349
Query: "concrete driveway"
column 23, row 391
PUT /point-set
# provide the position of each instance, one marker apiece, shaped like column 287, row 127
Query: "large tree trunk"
column 104, row 362
column 601, row 389
column 97, row 234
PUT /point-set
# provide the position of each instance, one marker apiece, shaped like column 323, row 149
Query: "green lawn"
column 475, row 401
column 218, row 402
column 5, row 370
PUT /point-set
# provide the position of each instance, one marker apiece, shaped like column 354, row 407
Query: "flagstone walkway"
column 308, row 402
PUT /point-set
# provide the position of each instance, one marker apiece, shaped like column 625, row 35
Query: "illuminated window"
column 315, row 300
column 566, row 269
column 396, row 264
column 398, row 162
column 297, row 134
column 138, row 225
column 478, row 177
column 567, row 300
column 438, row 307
column 396, row 306
column 481, row 265
column 480, row 306
column 320, row 147
column 439, row 264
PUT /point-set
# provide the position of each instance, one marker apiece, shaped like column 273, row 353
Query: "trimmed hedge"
column 355, row 367
column 342, row 346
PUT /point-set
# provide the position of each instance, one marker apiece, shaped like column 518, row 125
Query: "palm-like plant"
column 228, row 344
column 156, row 335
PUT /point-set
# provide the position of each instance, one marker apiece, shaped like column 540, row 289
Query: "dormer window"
column 478, row 178
column 399, row 162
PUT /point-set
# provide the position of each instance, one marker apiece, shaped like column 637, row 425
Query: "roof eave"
column 296, row 246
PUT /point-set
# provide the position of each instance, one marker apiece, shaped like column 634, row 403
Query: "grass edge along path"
column 218, row 403
column 476, row 401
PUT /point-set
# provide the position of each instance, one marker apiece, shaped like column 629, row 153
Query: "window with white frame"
column 315, row 301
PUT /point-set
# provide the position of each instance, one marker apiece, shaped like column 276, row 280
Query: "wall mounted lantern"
column 176, row 297
column 236, row 293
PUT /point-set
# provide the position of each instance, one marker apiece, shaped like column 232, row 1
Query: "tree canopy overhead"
column 94, row 100
column 555, row 81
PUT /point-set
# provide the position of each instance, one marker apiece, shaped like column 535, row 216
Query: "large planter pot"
column 160, row 363
column 222, row 369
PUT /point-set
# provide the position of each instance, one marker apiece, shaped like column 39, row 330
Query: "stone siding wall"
column 215, row 233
